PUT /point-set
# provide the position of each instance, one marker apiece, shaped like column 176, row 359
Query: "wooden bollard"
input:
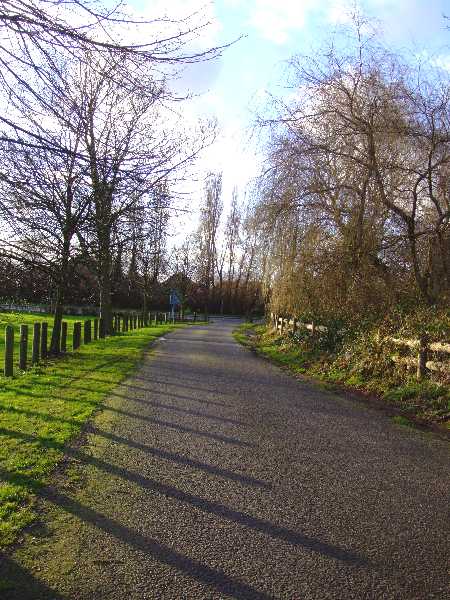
column 36, row 343
column 87, row 332
column 422, row 357
column 95, row 329
column 64, row 336
column 44, row 339
column 23, row 347
column 101, row 328
column 76, row 339
column 165, row 317
column 9, row 351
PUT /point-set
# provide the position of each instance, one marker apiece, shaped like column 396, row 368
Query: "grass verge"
column 423, row 403
column 46, row 407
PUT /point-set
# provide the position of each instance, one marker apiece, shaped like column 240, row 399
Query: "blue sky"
column 235, row 85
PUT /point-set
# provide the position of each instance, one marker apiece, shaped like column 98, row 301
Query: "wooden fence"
column 83, row 333
column 429, row 356
column 284, row 324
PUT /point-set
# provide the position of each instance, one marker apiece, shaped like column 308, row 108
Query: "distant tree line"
column 223, row 256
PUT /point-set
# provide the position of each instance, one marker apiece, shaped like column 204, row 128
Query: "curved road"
column 212, row 474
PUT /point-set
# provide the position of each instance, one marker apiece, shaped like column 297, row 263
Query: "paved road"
column 212, row 474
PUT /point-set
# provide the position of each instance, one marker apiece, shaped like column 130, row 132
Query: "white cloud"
column 276, row 20
column 339, row 13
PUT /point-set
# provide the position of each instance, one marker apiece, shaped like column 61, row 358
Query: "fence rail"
column 82, row 333
column 421, row 362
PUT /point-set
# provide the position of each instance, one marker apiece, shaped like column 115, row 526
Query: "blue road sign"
column 174, row 299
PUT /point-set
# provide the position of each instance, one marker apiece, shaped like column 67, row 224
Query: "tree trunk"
column 55, row 343
column 104, row 276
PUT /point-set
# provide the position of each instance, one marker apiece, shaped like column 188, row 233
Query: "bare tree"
column 44, row 200
column 207, row 236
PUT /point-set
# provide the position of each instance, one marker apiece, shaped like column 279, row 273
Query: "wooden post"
column 23, row 347
column 101, row 328
column 313, row 328
column 87, row 331
column 9, row 351
column 422, row 357
column 95, row 329
column 64, row 336
column 165, row 317
column 36, row 343
column 44, row 336
column 76, row 338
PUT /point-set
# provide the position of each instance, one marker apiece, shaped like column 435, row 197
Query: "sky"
column 268, row 32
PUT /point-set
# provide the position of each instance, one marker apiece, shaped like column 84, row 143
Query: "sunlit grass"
column 44, row 408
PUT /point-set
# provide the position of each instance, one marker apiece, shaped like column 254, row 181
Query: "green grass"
column 426, row 400
column 44, row 408
column 18, row 319
column 403, row 421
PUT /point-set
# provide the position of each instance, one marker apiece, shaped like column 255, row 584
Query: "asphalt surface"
column 213, row 474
